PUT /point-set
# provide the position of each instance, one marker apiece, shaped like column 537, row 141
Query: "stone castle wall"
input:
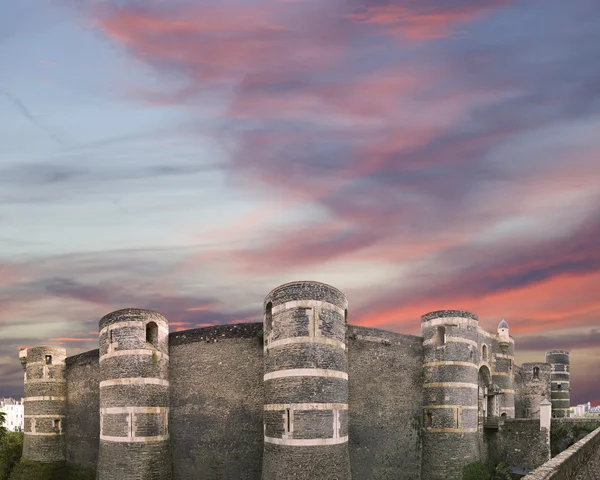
column 216, row 418
column 386, row 403
column 82, row 426
column 301, row 395
column 521, row 443
column 217, row 401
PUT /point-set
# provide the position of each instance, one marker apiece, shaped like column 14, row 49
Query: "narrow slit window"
column 536, row 373
column 287, row 420
column 48, row 359
column 441, row 335
column 269, row 317
column 428, row 419
column 484, row 352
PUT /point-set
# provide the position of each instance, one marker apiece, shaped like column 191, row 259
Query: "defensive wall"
column 580, row 461
column 264, row 400
column 217, row 396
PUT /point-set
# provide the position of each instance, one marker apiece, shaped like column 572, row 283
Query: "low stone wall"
column 566, row 465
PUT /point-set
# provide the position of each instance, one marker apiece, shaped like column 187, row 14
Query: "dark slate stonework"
column 216, row 333
column 521, row 444
column 306, row 356
column 82, row 429
column 308, row 463
column 216, row 416
column 119, row 461
column 306, row 390
column 45, row 371
column 307, row 322
column 148, row 455
column 385, row 403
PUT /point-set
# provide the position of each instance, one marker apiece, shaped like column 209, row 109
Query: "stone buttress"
column 451, row 357
column 134, row 396
column 44, row 403
column 560, row 390
column 305, row 383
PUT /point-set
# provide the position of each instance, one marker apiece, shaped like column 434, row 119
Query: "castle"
column 302, row 395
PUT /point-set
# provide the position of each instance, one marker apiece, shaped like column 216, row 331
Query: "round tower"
column 503, row 371
column 305, row 383
column 134, row 396
column 44, row 403
column 560, row 390
column 452, row 359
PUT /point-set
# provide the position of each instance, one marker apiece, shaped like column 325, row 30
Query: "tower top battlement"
column 449, row 314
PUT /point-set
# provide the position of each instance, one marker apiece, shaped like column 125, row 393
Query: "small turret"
column 503, row 336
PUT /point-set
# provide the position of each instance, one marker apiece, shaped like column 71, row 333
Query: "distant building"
column 14, row 414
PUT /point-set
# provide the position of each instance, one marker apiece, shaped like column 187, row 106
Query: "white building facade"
column 14, row 421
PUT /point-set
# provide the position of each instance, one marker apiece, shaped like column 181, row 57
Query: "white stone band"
column 158, row 438
column 447, row 363
column 295, row 340
column 450, row 339
column 450, row 430
column 44, row 398
column 141, row 351
column 462, row 407
column 46, row 380
column 306, row 372
column 134, row 381
column 451, row 320
column 115, row 410
column 306, row 442
column 306, row 406
column 39, row 434
column 451, row 384
column 44, row 416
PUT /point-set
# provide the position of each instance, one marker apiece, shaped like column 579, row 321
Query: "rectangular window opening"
column 48, row 359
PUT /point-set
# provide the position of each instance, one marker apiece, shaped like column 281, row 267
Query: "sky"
column 190, row 156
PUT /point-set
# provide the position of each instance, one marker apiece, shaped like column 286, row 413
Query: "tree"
column 3, row 429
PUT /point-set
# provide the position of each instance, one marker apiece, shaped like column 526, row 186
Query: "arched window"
column 269, row 317
column 152, row 333
column 536, row 373
column 503, row 416
column 484, row 353
column 48, row 359
column 441, row 335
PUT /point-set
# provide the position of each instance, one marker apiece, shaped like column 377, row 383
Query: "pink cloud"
column 421, row 22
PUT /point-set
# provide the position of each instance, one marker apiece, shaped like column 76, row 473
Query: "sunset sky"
column 189, row 156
